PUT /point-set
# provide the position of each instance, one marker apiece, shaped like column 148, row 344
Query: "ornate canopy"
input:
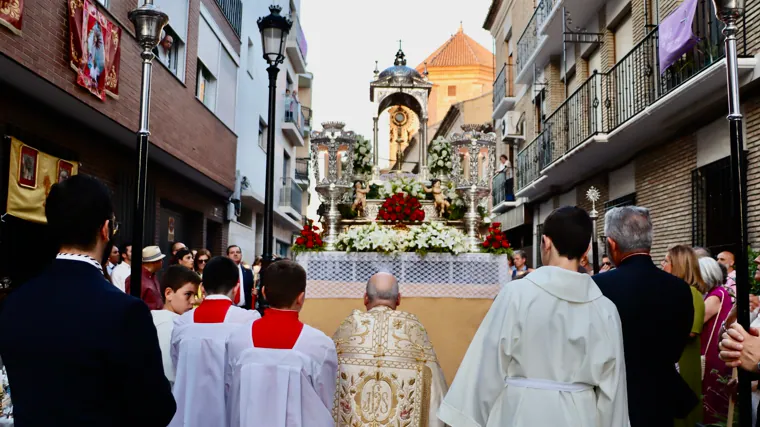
column 400, row 85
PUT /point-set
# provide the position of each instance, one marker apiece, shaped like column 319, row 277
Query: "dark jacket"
column 657, row 312
column 80, row 352
column 247, row 286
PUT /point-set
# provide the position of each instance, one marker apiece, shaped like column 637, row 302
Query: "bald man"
column 385, row 356
column 726, row 258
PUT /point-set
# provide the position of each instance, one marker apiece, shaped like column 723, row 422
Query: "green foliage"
column 754, row 285
column 346, row 212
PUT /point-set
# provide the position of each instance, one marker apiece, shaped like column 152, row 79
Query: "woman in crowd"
column 201, row 259
column 717, row 307
column 681, row 261
column 185, row 258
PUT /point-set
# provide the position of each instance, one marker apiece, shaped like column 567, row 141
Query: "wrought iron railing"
column 504, row 85
column 290, row 194
column 631, row 83
column 546, row 7
column 296, row 34
column 531, row 160
column 503, row 187
column 293, row 113
column 233, row 11
column 528, row 42
column 302, row 168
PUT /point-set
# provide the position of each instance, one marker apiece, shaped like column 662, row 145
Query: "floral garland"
column 362, row 156
column 403, row 185
column 427, row 238
column 439, row 156
column 496, row 241
column 435, row 237
column 401, row 208
column 309, row 240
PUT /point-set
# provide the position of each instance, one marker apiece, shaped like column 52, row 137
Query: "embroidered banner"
column 11, row 12
column 95, row 49
column 32, row 174
column 676, row 37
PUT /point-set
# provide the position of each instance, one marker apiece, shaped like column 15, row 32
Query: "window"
column 627, row 200
column 220, row 67
column 104, row 3
column 711, row 206
column 623, row 37
column 283, row 249
column 174, row 55
column 263, row 134
column 452, row 91
column 206, row 87
column 285, row 164
column 251, row 57
column 539, row 103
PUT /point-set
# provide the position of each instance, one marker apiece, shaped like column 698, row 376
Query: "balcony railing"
column 233, row 11
column 528, row 42
column 531, row 160
column 502, row 187
column 296, row 34
column 293, row 113
column 290, row 195
column 576, row 119
column 504, row 85
column 302, row 169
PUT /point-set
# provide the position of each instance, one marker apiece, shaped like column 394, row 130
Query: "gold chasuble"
column 388, row 373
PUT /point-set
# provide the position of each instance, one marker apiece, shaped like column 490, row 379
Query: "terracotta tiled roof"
column 460, row 49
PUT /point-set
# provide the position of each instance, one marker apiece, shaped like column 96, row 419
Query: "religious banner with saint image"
column 95, row 49
column 11, row 14
column 32, row 174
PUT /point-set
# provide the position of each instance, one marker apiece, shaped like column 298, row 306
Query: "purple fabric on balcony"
column 676, row 37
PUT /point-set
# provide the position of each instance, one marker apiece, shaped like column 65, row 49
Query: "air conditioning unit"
column 512, row 126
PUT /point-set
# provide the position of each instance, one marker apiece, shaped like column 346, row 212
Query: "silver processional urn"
column 337, row 143
column 474, row 160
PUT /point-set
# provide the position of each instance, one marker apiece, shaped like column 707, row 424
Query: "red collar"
column 278, row 329
column 212, row 311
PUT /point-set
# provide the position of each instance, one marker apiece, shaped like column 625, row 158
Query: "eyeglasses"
column 202, row 261
column 607, row 264
column 114, row 226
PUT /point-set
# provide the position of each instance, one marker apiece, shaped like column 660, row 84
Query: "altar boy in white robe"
column 198, row 348
column 550, row 350
column 281, row 372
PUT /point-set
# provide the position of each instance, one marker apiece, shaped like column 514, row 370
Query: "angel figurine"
column 441, row 204
column 360, row 197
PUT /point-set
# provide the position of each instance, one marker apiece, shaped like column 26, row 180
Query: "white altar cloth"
column 345, row 275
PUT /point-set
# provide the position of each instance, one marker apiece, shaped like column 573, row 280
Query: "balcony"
column 302, row 172
column 614, row 115
column 503, row 91
column 503, row 191
column 306, row 120
column 233, row 11
column 290, row 198
column 292, row 126
column 296, row 47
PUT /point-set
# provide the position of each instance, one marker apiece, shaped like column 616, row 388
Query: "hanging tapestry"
column 11, row 12
column 95, row 49
column 32, row 174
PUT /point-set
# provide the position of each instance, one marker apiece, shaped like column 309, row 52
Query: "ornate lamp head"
column 274, row 30
column 728, row 10
column 149, row 22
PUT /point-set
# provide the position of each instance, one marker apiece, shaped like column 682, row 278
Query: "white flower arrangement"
column 439, row 156
column 429, row 237
column 362, row 156
column 435, row 237
column 371, row 238
column 403, row 185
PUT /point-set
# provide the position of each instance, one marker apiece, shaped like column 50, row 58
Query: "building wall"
column 470, row 82
column 180, row 124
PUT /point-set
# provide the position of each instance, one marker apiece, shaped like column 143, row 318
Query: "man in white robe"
column 389, row 373
column 550, row 350
column 281, row 372
column 198, row 348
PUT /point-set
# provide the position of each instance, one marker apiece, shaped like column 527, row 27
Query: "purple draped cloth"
column 676, row 37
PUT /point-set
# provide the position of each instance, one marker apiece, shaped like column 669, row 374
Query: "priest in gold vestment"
column 388, row 373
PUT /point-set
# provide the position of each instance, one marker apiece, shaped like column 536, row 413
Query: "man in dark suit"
column 79, row 351
column 657, row 312
column 244, row 294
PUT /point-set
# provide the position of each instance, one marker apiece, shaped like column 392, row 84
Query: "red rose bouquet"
column 496, row 241
column 401, row 208
column 309, row 240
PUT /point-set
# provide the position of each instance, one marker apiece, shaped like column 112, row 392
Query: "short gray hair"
column 385, row 295
column 711, row 272
column 630, row 227
column 519, row 253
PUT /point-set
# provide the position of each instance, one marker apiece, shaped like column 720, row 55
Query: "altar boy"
column 297, row 364
column 198, row 348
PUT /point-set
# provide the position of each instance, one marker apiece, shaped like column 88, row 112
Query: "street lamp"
column 149, row 21
column 729, row 12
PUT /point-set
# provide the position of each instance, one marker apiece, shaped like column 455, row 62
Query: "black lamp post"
column 274, row 30
column 729, row 12
column 149, row 21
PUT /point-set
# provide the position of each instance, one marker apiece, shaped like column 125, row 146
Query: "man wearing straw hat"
column 151, row 289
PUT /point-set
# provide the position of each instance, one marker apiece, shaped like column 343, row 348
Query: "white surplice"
column 281, row 388
column 548, row 353
column 199, row 356
column 164, row 321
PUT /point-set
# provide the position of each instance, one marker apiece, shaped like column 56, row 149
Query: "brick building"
column 191, row 174
column 585, row 105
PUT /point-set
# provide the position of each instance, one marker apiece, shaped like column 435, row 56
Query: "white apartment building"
column 291, row 129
